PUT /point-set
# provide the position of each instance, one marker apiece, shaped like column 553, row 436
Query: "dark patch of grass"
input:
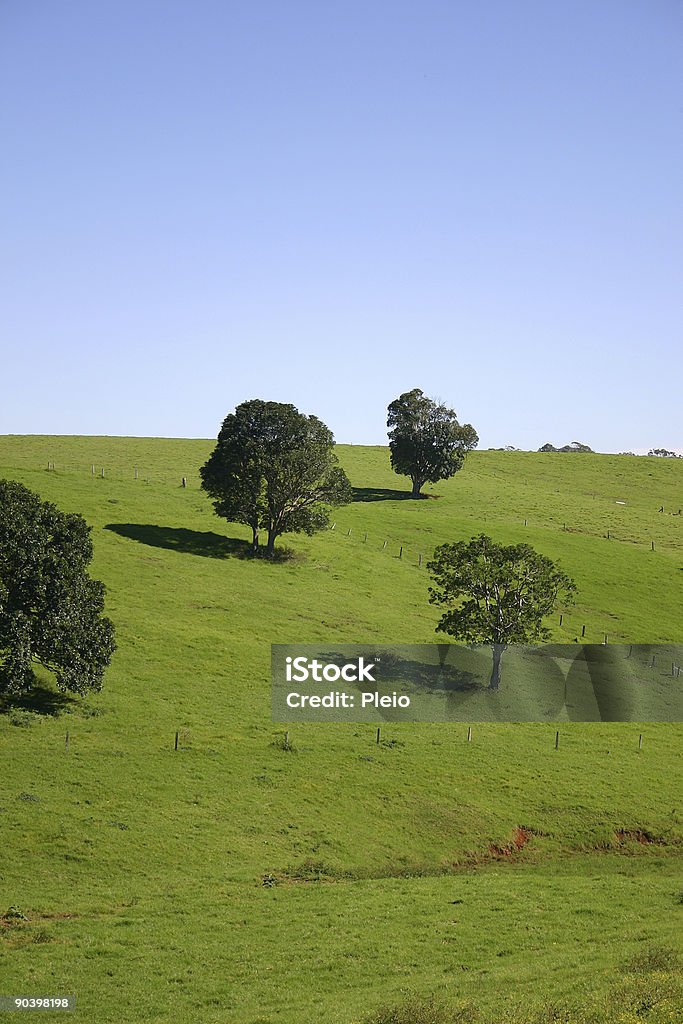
column 419, row 1010
column 654, row 958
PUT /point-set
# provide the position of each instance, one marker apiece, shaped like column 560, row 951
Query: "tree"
column 50, row 608
column 495, row 594
column 274, row 469
column 425, row 439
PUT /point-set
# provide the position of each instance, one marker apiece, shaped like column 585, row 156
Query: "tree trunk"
column 495, row 674
column 417, row 486
column 254, row 540
column 270, row 546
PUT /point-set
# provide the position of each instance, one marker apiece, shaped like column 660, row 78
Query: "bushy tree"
column 274, row 469
column 50, row 608
column 495, row 594
column 425, row 439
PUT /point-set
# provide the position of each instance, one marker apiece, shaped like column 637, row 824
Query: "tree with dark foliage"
column 496, row 594
column 274, row 469
column 50, row 608
column 425, row 439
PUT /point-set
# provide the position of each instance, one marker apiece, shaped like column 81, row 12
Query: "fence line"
column 418, row 560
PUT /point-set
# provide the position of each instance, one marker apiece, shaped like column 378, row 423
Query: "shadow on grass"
column 383, row 494
column 193, row 542
column 40, row 700
column 413, row 674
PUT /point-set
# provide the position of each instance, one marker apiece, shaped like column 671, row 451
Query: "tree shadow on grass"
column 382, row 494
column 40, row 700
column 192, row 542
column 416, row 677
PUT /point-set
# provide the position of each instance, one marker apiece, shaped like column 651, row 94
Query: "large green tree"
column 496, row 594
column 426, row 441
column 274, row 469
column 50, row 608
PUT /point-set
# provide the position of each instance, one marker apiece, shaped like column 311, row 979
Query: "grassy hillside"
column 233, row 880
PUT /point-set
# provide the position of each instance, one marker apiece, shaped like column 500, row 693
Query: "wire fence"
column 415, row 558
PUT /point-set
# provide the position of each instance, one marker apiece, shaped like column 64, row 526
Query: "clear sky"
column 331, row 203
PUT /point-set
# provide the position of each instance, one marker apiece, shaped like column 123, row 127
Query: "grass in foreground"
column 236, row 881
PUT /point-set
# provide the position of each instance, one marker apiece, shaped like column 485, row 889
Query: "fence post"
column 377, row 740
column 400, row 554
column 557, row 739
column 419, row 561
column 469, row 733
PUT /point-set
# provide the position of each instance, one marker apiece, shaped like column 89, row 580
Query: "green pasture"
column 235, row 880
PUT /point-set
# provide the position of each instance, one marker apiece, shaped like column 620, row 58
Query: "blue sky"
column 329, row 204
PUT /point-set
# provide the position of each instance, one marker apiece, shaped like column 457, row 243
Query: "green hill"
column 234, row 880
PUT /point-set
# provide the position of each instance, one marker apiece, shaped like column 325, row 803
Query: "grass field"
column 236, row 881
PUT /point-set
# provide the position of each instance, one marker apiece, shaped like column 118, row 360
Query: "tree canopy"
column 426, row 441
column 496, row 594
column 274, row 469
column 50, row 608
